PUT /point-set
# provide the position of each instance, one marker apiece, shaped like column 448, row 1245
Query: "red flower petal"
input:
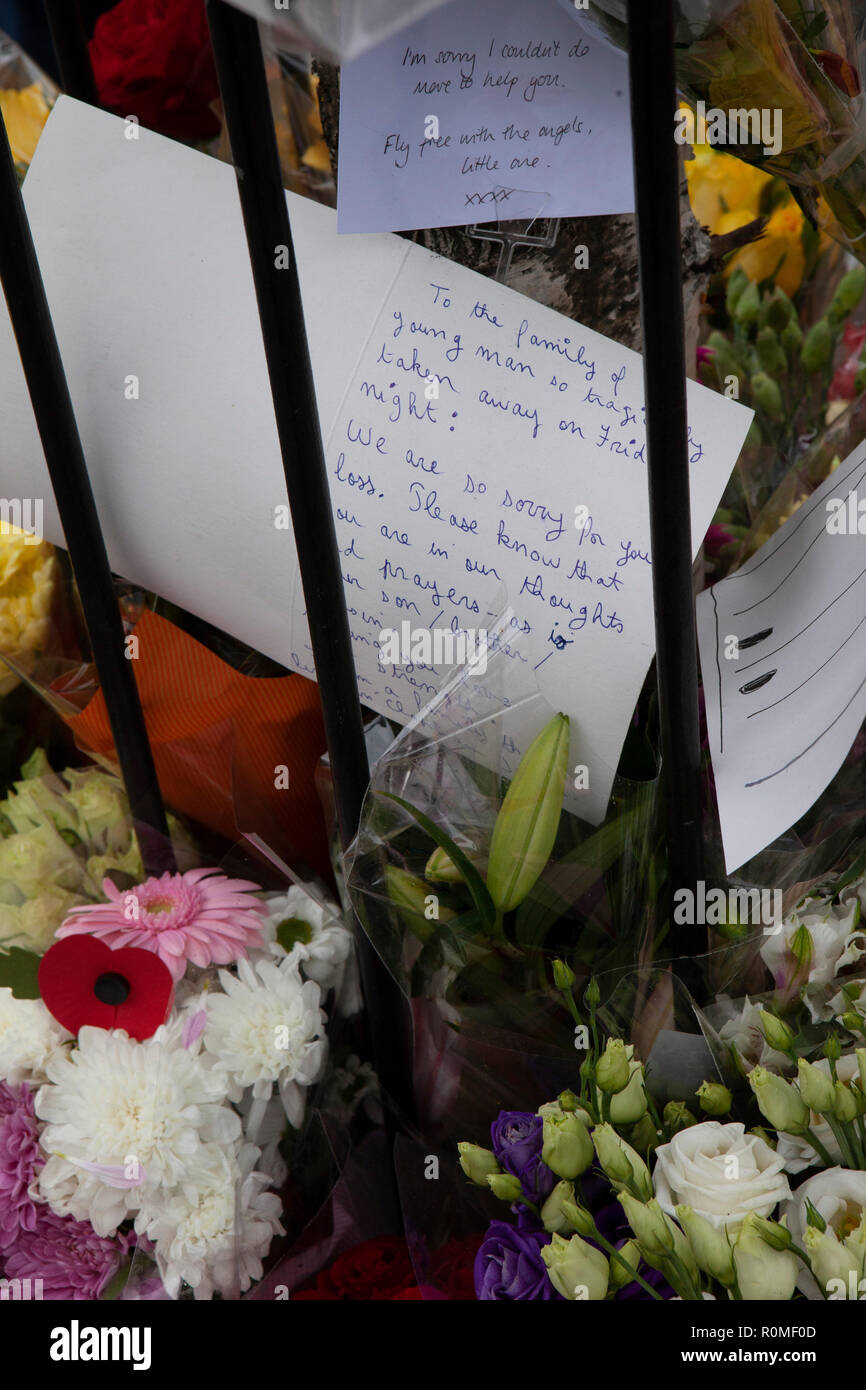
column 68, row 974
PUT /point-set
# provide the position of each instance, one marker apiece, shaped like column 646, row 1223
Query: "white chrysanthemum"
column 116, row 1102
column 322, row 944
column 214, row 1231
column 29, row 1038
column 267, row 1027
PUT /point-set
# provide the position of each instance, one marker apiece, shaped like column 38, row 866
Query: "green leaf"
column 19, row 971
column 474, row 881
column 569, row 878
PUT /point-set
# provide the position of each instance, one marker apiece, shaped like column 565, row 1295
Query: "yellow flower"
column 26, row 588
column 782, row 242
column 25, row 113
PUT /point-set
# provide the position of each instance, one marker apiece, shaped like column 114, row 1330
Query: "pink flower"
column 71, row 1260
column 200, row 916
column 19, row 1162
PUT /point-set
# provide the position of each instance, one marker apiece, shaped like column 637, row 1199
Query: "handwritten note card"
column 481, row 448
column 500, row 109
column 783, row 657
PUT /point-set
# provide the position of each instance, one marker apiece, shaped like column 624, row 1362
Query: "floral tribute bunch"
column 752, row 1190
column 145, row 1094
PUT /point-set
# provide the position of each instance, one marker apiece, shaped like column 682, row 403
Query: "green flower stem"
column 686, row 1282
column 818, row 1146
column 840, row 1134
column 615, row 1255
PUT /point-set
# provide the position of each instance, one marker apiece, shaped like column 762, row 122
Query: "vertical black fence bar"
column 657, row 179
column 249, row 120
column 55, row 419
column 70, row 49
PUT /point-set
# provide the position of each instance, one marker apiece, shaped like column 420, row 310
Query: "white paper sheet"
column 500, row 109
column 783, row 655
column 143, row 253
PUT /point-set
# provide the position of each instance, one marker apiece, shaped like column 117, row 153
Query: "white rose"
column 720, row 1172
column 836, row 943
column 798, row 1153
column 837, row 1194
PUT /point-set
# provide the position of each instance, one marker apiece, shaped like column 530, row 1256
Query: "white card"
column 784, row 664
column 146, row 269
column 498, row 110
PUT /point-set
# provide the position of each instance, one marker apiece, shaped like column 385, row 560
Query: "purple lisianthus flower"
column 20, row 1161
column 509, row 1265
column 517, row 1137
column 70, row 1259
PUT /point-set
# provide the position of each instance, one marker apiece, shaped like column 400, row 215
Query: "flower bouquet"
column 164, row 1063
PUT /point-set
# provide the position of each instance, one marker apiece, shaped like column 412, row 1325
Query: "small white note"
column 482, row 450
column 494, row 111
column 783, row 656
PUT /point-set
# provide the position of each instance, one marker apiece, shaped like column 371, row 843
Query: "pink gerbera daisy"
column 200, row 916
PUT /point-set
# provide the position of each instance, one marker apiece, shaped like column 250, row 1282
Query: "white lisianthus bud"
column 553, row 1213
column 576, row 1270
column 763, row 1274
column 816, row 1087
column 630, row 1104
column 779, row 1102
column 830, row 1258
column 710, row 1245
column 621, row 1163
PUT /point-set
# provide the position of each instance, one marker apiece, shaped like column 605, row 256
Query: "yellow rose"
column 25, row 113
column 26, row 589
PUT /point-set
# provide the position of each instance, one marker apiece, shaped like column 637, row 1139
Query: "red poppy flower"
column 82, row 981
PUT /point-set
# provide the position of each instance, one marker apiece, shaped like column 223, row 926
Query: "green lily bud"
column 677, row 1116
column 832, row 1047
column 566, row 1146
column 845, row 1107
column 777, row 1236
column 791, row 338
column 763, row 1274
column 409, row 896
column 714, row 1098
column 568, row 1101
column 754, row 435
column 748, row 306
column 619, row 1277
column 651, row 1227
column 710, row 1246
column 612, row 1069
column 814, row 1217
column 440, row 868
column 778, row 1101
column 563, row 975
column 528, row 819
column 579, row 1218
column 852, row 1021
column 777, row 311
column 505, row 1186
column 766, row 394
column 849, row 292
column 737, row 284
column 830, row 1259
column 620, row 1162
column 592, row 998
column 576, row 1270
column 816, row 1087
column 630, row 1104
column 817, row 346
column 776, row 1031
column 802, row 947
column 478, row 1164
column 553, row 1216
column 644, row 1136
column 770, row 352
